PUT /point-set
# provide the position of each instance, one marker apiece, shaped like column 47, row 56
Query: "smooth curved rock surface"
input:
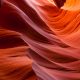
column 40, row 40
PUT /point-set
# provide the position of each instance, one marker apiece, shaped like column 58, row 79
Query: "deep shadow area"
column 59, row 3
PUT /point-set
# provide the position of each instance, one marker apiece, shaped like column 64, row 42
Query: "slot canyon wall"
column 39, row 39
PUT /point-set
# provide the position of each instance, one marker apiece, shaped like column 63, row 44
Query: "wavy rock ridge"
column 39, row 40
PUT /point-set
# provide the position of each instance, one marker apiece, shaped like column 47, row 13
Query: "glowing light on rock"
column 40, row 40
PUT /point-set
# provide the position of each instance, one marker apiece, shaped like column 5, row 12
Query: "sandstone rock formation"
column 40, row 40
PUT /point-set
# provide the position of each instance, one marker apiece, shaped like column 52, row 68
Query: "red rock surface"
column 40, row 40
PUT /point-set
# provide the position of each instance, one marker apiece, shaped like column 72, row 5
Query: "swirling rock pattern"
column 40, row 40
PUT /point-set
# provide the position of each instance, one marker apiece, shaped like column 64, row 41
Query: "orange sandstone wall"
column 40, row 40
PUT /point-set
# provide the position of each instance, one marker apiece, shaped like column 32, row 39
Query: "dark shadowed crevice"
column 59, row 3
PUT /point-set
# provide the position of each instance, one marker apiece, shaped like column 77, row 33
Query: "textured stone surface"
column 39, row 41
